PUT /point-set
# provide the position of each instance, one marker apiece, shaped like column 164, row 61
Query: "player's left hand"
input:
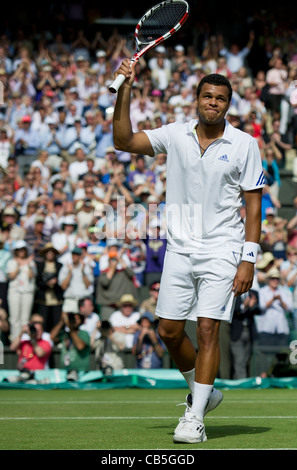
column 243, row 280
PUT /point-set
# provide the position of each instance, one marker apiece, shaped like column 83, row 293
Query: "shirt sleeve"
column 252, row 175
column 159, row 139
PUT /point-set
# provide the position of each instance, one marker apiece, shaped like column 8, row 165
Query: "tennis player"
column 212, row 168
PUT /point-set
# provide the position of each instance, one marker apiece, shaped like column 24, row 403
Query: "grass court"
column 118, row 419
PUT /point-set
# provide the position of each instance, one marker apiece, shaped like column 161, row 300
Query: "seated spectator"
column 21, row 270
column 49, row 295
column 33, row 346
column 108, row 347
column 75, row 344
column 148, row 347
column 125, row 320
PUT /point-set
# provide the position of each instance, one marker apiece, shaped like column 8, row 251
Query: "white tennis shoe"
column 189, row 430
column 216, row 397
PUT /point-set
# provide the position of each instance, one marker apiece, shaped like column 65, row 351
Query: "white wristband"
column 250, row 252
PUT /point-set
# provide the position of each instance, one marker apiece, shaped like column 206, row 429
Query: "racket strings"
column 160, row 22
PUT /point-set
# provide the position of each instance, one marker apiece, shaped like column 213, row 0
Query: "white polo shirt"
column 204, row 192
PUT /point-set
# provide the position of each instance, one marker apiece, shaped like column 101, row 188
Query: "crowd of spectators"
column 83, row 222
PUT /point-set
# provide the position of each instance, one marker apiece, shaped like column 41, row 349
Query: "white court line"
column 31, row 418
column 113, row 402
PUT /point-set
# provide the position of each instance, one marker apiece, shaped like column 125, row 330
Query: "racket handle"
column 113, row 88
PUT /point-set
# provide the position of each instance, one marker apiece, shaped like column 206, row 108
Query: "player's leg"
column 179, row 345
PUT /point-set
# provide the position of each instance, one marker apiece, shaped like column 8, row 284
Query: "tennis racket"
column 156, row 25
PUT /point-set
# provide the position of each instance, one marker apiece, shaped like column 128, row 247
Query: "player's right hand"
column 127, row 68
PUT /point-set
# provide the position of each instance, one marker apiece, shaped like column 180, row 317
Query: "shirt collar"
column 227, row 136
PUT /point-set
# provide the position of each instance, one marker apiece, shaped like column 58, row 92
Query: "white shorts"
column 195, row 286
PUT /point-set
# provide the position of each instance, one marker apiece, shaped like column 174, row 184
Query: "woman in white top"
column 21, row 270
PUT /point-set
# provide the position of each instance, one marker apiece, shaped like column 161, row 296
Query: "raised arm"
column 123, row 136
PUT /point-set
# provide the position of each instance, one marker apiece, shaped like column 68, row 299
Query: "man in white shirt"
column 91, row 318
column 211, row 167
column 275, row 300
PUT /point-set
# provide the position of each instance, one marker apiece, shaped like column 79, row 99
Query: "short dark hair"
column 215, row 79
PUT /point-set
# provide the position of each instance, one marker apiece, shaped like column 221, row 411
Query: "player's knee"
column 169, row 335
column 207, row 333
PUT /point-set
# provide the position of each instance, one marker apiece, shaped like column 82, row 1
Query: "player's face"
column 212, row 103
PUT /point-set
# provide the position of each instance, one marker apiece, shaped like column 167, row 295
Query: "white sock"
column 200, row 399
column 190, row 378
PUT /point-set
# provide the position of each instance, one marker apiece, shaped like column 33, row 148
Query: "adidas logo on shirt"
column 223, row 309
column 224, row 158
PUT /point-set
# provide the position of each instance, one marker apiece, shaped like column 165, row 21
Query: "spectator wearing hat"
column 10, row 219
column 273, row 330
column 116, row 278
column 76, row 278
column 233, row 117
column 21, row 270
column 84, row 216
column 263, row 265
column 125, row 319
column 65, row 239
column 149, row 304
column 99, row 65
column 49, row 295
column 148, row 347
